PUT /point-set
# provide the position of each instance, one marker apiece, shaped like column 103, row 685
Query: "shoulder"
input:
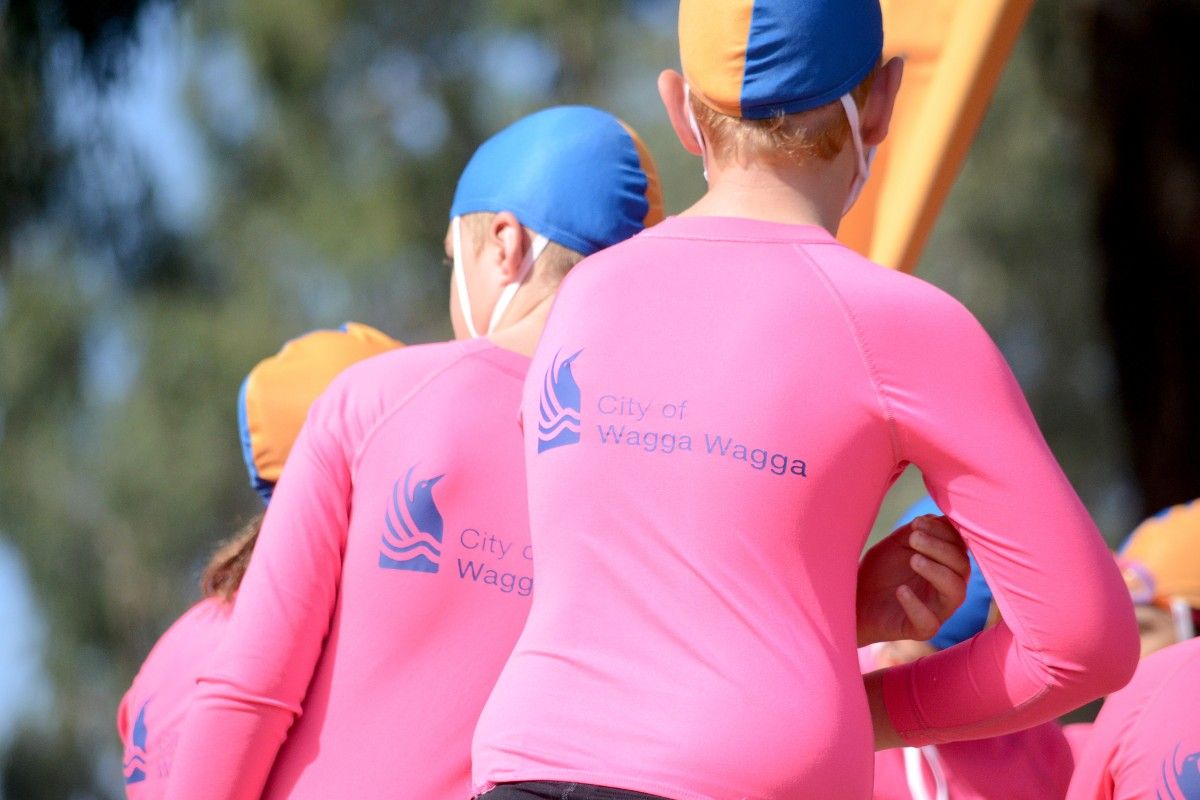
column 911, row 331
column 1153, row 719
column 194, row 634
column 199, row 627
column 374, row 390
column 1166, row 676
column 371, row 388
column 883, row 296
column 1154, row 688
column 599, row 268
column 398, row 368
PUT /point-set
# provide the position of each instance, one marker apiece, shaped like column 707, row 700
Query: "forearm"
column 886, row 736
column 1066, row 639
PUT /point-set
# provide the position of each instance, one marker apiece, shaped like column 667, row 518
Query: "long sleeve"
column 246, row 702
column 1068, row 633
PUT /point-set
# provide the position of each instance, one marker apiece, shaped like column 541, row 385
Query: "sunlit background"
column 185, row 185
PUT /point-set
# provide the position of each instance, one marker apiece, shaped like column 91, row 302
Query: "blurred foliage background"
column 185, row 185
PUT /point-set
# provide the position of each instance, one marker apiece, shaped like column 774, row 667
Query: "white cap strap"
column 1181, row 615
column 855, row 131
column 460, row 276
column 695, row 126
column 863, row 156
column 506, row 297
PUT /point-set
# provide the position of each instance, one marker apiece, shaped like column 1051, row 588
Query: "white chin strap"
column 691, row 115
column 1181, row 615
column 510, row 292
column 864, row 156
column 915, row 774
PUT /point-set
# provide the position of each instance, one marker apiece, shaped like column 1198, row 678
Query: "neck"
column 522, row 335
column 812, row 193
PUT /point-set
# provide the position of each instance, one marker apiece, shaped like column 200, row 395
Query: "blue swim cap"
column 759, row 58
column 972, row 615
column 576, row 175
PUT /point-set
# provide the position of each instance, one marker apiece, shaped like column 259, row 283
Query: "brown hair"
column 556, row 261
column 784, row 138
column 227, row 567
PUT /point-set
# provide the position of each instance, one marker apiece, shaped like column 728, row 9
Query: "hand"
column 911, row 582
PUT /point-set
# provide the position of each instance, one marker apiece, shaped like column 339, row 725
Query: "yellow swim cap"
column 1161, row 559
column 274, row 399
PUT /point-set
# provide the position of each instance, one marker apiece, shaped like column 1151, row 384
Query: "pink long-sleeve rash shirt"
column 1146, row 741
column 720, row 406
column 1033, row 764
column 151, row 713
column 390, row 581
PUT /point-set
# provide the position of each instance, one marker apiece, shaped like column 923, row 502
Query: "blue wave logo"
column 135, row 765
column 1185, row 776
column 413, row 539
column 560, row 406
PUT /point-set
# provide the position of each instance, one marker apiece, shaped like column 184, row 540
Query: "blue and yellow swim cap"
column 274, row 398
column 1161, row 558
column 756, row 59
column 576, row 175
column 972, row 616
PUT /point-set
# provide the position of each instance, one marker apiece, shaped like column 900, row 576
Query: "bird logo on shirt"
column 135, row 765
column 560, row 406
column 412, row 540
column 1186, row 777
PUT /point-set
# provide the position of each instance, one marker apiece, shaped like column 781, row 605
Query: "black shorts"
column 558, row 790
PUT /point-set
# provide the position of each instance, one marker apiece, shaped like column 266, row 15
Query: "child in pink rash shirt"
column 393, row 572
column 697, row 534
column 721, row 404
column 1146, row 741
column 271, row 408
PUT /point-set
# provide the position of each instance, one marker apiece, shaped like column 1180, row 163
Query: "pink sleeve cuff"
column 901, row 705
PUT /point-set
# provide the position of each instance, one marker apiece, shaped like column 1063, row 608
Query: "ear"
column 671, row 86
column 881, row 102
column 505, row 247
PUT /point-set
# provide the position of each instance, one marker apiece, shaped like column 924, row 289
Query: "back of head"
column 274, row 399
column 272, row 406
column 763, row 73
column 576, row 175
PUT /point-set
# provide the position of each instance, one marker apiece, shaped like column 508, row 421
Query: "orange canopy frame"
column 954, row 55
